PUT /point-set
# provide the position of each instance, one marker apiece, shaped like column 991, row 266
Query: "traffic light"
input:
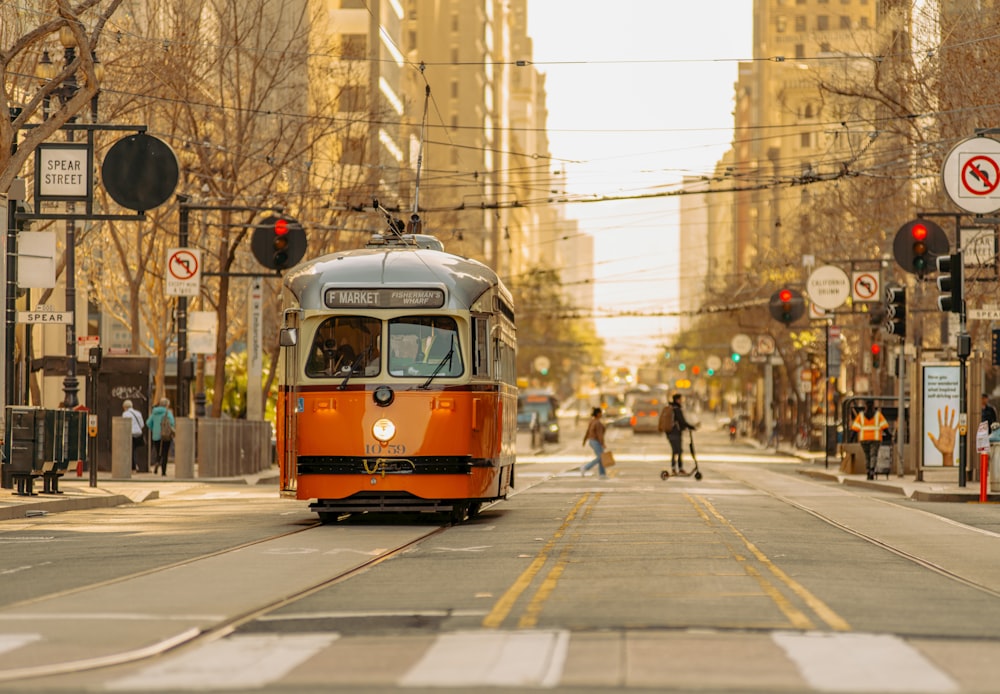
column 950, row 283
column 917, row 243
column 895, row 311
column 876, row 354
column 787, row 305
column 278, row 243
column 735, row 357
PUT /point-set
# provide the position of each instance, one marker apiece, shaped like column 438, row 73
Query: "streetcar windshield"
column 420, row 346
column 345, row 346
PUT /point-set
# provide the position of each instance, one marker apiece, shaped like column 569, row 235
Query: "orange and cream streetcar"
column 397, row 387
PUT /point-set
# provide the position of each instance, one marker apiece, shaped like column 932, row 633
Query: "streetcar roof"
column 463, row 279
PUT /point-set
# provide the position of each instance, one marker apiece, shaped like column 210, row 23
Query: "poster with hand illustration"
column 941, row 402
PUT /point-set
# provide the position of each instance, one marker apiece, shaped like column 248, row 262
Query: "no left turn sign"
column 183, row 272
column 865, row 286
column 971, row 175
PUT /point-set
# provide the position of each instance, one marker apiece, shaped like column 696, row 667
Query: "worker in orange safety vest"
column 869, row 425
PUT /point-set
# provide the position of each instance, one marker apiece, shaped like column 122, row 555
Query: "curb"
column 30, row 509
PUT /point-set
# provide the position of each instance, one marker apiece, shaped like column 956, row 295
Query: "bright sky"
column 640, row 93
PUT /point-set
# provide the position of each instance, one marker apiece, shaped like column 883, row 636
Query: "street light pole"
column 65, row 92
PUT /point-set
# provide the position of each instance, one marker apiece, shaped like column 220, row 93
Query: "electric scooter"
column 695, row 472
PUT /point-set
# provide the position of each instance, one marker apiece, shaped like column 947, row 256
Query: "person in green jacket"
column 161, row 424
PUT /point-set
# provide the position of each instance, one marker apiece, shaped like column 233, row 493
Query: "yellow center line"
column 506, row 602
column 530, row 617
column 820, row 608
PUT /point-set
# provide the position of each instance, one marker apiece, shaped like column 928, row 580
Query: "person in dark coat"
column 675, row 434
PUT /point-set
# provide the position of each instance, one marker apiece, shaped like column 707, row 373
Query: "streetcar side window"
column 346, row 345
column 423, row 345
column 480, row 346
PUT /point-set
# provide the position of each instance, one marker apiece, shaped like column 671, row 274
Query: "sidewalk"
column 77, row 494
column 937, row 485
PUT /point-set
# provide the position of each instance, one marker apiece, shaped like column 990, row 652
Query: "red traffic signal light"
column 917, row 243
column 876, row 353
column 787, row 305
column 278, row 243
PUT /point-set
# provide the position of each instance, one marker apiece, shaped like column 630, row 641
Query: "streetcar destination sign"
column 382, row 297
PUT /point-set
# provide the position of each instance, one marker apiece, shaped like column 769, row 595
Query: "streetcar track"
column 909, row 556
column 195, row 635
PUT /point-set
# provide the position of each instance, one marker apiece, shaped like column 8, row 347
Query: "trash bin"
column 24, row 444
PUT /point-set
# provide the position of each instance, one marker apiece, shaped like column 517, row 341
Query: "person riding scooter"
column 732, row 431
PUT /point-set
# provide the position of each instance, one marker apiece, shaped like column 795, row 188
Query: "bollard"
column 121, row 448
column 984, row 476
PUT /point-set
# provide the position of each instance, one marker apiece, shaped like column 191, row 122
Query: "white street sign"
column 741, row 344
column 36, row 259
column 866, row 286
column 971, row 174
column 202, row 329
column 828, row 287
column 984, row 314
column 183, row 272
column 63, row 171
column 45, row 317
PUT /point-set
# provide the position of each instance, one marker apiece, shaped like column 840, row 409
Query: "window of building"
column 845, row 22
column 352, row 5
column 800, row 51
column 800, row 22
column 454, row 89
column 824, row 47
column 780, row 23
column 454, row 56
column 454, row 22
column 805, row 140
column 353, row 46
column 454, row 121
column 800, row 2
column 352, row 98
column 353, row 151
column 822, row 22
column 845, row 2
column 411, row 40
column 863, row 22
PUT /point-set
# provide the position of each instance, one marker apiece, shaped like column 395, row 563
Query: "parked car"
column 646, row 415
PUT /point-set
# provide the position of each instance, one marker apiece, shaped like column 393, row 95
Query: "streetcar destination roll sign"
column 383, row 297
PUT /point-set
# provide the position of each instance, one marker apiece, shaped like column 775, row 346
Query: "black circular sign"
column 140, row 172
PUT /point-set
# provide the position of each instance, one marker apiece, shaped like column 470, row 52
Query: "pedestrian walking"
column 675, row 432
column 135, row 417
column 869, row 425
column 161, row 424
column 594, row 437
column 988, row 413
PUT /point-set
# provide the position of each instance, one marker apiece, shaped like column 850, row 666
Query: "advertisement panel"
column 941, row 402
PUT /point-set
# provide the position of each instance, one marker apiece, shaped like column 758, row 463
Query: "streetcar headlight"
column 383, row 430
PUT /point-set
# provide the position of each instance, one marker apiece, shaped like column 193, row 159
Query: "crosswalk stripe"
column 10, row 642
column 492, row 658
column 851, row 662
column 237, row 662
